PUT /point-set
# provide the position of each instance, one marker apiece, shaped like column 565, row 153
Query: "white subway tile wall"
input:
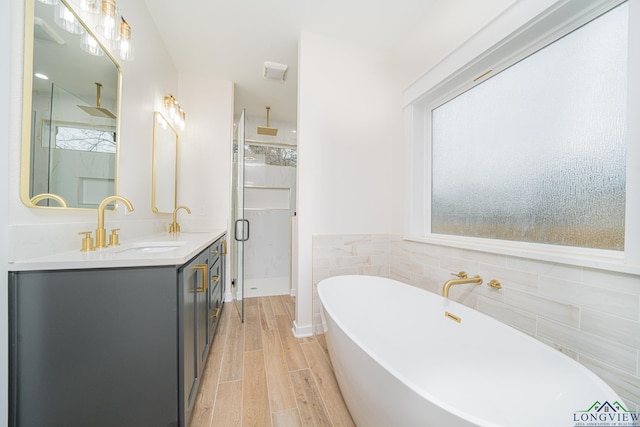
column 591, row 315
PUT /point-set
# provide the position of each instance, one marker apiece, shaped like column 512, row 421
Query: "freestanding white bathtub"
column 401, row 362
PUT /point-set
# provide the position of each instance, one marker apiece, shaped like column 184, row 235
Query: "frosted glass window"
column 537, row 152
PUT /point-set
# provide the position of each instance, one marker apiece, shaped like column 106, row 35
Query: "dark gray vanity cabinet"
column 109, row 347
column 94, row 347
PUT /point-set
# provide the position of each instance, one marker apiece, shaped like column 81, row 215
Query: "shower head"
column 98, row 111
column 266, row 130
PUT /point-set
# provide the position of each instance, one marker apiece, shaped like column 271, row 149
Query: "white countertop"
column 152, row 250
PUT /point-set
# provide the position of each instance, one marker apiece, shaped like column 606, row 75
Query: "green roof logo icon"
column 606, row 414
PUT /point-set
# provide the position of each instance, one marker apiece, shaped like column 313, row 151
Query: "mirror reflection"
column 70, row 113
column 165, row 165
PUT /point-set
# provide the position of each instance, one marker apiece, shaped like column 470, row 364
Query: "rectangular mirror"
column 165, row 165
column 70, row 111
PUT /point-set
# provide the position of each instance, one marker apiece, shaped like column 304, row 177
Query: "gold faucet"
column 461, row 280
column 42, row 196
column 101, row 239
column 175, row 227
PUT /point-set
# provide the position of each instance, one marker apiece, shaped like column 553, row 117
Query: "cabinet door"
column 202, row 324
column 93, row 348
column 191, row 280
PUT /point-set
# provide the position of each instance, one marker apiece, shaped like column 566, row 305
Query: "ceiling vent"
column 274, row 71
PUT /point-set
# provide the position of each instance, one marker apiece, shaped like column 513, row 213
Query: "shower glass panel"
column 240, row 224
column 269, row 203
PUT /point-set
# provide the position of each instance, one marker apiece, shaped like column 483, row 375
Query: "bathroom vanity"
column 118, row 337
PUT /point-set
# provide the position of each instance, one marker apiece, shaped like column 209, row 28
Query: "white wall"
column 351, row 129
column 344, row 146
column 205, row 152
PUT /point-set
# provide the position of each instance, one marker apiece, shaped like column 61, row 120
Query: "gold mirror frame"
column 28, row 127
column 166, row 143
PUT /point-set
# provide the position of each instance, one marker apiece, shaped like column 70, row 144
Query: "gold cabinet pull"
column 214, row 252
column 224, row 247
column 213, row 316
column 203, row 268
column 215, row 279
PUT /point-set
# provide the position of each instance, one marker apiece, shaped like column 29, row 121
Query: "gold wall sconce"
column 175, row 112
column 104, row 16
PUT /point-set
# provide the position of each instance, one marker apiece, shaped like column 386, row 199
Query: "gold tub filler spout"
column 462, row 279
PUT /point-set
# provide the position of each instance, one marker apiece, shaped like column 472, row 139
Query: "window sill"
column 591, row 258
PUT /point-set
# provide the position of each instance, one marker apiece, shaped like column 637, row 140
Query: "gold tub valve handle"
column 87, row 242
column 494, row 284
column 460, row 275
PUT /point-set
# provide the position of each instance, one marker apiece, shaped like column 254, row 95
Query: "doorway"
column 264, row 211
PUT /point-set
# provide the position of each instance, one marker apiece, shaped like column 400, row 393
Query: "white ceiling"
column 230, row 39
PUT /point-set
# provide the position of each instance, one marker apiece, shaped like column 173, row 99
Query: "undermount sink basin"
column 152, row 247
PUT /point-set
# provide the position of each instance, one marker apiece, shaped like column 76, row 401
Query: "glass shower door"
column 240, row 223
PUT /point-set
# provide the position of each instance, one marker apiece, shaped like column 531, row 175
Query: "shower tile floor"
column 259, row 374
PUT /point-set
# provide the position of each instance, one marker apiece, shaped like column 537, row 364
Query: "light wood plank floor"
column 259, row 374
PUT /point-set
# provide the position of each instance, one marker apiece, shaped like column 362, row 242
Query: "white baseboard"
column 292, row 292
column 302, row 331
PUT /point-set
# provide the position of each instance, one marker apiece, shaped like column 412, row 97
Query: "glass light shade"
column 67, row 20
column 170, row 106
column 108, row 23
column 125, row 46
column 90, row 45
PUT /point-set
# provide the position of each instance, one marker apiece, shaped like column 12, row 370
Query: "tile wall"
column 591, row 315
